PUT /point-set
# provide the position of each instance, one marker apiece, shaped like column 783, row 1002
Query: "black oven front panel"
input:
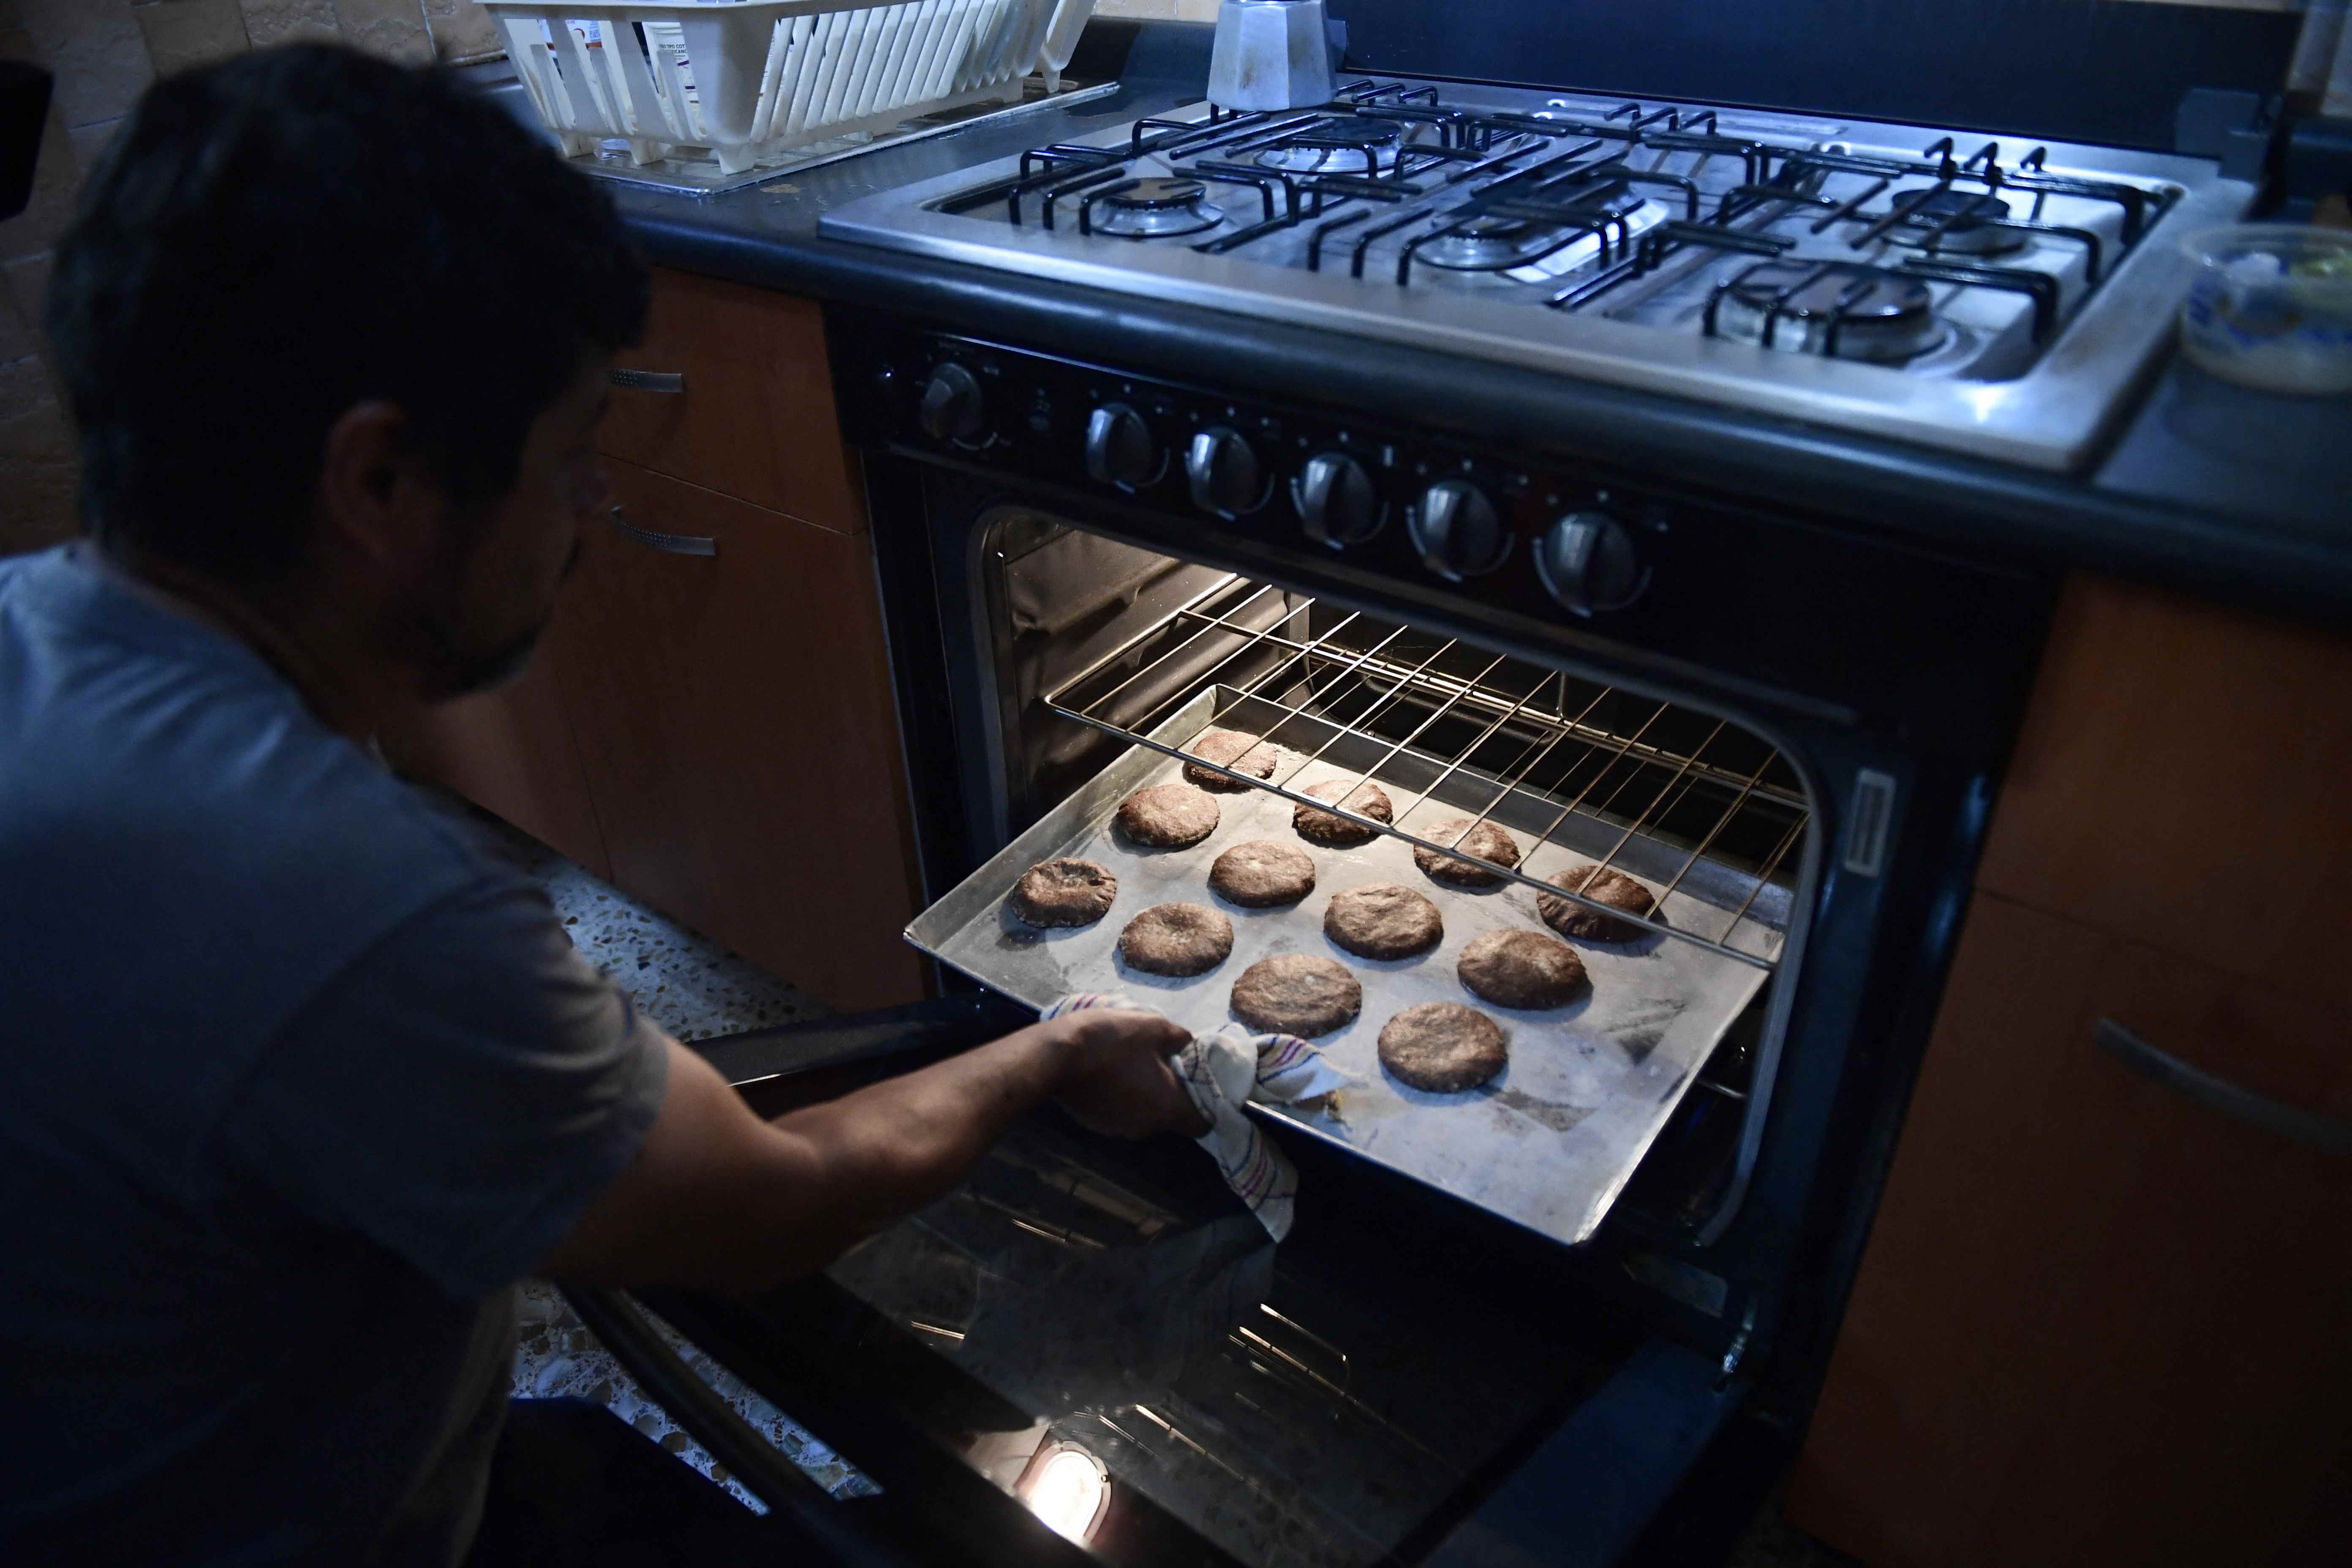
column 1644, row 570
column 1890, row 678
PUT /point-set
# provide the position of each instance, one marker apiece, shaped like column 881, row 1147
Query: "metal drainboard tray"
column 1552, row 1140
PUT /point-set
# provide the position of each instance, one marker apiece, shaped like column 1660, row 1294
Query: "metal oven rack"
column 1487, row 726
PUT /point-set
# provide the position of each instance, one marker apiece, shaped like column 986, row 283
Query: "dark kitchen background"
column 2102, row 72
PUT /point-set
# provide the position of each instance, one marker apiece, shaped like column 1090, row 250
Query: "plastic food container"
column 2271, row 306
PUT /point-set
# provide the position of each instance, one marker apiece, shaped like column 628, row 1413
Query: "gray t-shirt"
column 295, row 1081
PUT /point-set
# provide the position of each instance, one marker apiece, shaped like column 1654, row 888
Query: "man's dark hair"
column 272, row 240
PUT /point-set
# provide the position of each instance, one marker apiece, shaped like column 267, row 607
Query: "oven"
column 1788, row 730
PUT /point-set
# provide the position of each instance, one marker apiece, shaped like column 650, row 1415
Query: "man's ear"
column 377, row 494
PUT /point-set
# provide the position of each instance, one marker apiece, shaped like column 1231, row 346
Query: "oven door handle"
column 2331, row 1134
column 831, row 1529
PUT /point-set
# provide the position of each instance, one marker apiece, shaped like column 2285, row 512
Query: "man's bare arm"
column 718, row 1199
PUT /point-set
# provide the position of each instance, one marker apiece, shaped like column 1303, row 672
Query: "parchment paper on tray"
column 1551, row 1140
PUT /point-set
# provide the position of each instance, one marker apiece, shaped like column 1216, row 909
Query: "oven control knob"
column 1120, row 448
column 1223, row 472
column 953, row 404
column 1338, row 500
column 1587, row 563
column 1457, row 531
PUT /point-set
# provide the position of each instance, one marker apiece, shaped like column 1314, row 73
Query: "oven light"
column 1068, row 1488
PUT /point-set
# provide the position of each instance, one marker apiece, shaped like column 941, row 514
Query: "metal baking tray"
column 1551, row 1140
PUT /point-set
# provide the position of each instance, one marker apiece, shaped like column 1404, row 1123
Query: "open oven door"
column 1097, row 1334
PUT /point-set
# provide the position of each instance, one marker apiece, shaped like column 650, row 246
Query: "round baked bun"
column 1606, row 884
column 1066, row 891
column 1382, row 919
column 1297, row 994
column 1168, row 816
column 1230, row 748
column 1443, row 1048
column 1337, row 832
column 1176, row 939
column 1484, row 842
column 1263, row 875
column 1522, row 969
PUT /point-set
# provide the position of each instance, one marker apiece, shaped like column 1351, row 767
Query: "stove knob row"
column 1336, row 501
column 1120, row 448
column 1457, row 531
column 953, row 406
column 1224, row 471
column 1587, row 563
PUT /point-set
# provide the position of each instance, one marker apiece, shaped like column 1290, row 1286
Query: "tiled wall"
column 102, row 53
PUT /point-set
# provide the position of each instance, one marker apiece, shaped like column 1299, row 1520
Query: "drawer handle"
column 2331, row 1133
column 676, row 543
column 650, row 380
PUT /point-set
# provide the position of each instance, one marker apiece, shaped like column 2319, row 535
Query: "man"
column 296, row 1082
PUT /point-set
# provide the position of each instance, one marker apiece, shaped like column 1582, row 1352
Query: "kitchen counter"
column 2227, row 493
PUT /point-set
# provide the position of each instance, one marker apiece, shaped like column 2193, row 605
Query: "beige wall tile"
column 393, row 28
column 269, row 22
column 89, row 140
column 184, row 33
column 56, row 177
column 25, row 281
column 36, row 449
column 462, row 30
column 95, row 49
column 18, row 331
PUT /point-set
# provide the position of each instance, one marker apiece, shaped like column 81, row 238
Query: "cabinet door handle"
column 2331, row 1133
column 676, row 543
column 650, row 380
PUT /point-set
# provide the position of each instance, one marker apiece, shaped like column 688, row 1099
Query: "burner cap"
column 1956, row 220
column 1350, row 131
column 1854, row 312
column 1157, row 209
column 1964, row 207
column 1152, row 195
column 1482, row 245
column 1843, row 293
column 1341, row 143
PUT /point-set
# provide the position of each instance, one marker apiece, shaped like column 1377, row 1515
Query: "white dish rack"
column 750, row 79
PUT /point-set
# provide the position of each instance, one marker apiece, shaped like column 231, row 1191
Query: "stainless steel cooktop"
column 1937, row 286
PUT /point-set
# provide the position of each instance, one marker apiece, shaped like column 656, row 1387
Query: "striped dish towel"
column 1220, row 1071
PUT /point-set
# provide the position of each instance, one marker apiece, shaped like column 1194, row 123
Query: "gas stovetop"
column 1940, row 288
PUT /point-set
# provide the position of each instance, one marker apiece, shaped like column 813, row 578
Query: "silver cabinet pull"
column 650, row 380
column 676, row 543
column 2331, row 1133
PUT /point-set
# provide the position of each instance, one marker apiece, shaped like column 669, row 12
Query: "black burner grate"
column 1490, row 192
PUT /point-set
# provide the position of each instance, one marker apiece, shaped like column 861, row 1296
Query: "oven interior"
column 1097, row 642
column 1097, row 1327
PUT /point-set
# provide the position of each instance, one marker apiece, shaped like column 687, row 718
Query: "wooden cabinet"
column 716, row 732
column 2100, row 1320
column 752, row 413
column 733, row 711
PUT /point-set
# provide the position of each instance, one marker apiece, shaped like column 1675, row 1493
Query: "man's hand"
column 1120, row 1081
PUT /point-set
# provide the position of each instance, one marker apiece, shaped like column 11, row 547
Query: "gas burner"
column 1336, row 145
column 1955, row 222
column 1156, row 209
column 1827, row 308
column 1486, row 245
